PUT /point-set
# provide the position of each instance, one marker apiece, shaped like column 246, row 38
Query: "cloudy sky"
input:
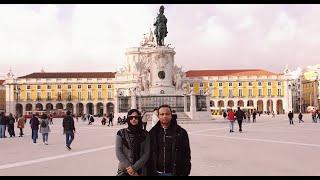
column 86, row 38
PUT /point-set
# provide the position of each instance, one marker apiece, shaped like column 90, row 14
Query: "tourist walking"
column 273, row 114
column 254, row 116
column 240, row 115
column 290, row 116
column 45, row 128
column 231, row 119
column 11, row 121
column 3, row 124
column 169, row 147
column 20, row 125
column 34, row 123
column 133, row 147
column 314, row 116
column 110, row 119
column 300, row 117
column 68, row 129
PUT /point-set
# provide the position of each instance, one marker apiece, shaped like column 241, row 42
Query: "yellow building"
column 58, row 92
column 310, row 89
column 249, row 89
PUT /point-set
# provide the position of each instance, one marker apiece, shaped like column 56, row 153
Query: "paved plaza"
column 269, row 147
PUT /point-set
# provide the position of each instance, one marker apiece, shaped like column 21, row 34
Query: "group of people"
column 38, row 124
column 314, row 114
column 7, row 123
column 163, row 151
column 239, row 116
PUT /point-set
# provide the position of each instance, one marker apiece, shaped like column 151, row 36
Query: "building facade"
column 81, row 93
column 310, row 88
column 249, row 89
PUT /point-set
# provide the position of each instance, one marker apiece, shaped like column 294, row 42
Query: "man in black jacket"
column 170, row 153
column 68, row 129
column 240, row 116
column 290, row 116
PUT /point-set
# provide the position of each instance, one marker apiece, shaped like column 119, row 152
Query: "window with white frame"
column 279, row 92
column 201, row 92
column 49, row 87
column 279, row 83
column 240, row 84
column 99, row 86
column 69, row 94
column 230, row 84
column 250, row 93
column 259, row 92
column 38, row 96
column 48, row 96
column 259, row 83
column 211, row 84
column 109, row 86
column 28, row 87
column 230, row 93
column 191, row 84
column 250, row 83
column 38, row 87
column 269, row 92
column 201, row 84
column 28, row 96
column 220, row 92
column 59, row 96
column 79, row 86
column 109, row 94
column 99, row 95
column 89, row 86
column 89, row 95
column 59, row 87
column 240, row 93
column 79, row 95
column 269, row 83
column 220, row 84
column 69, row 86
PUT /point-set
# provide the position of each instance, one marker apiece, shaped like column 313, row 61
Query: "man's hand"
column 131, row 171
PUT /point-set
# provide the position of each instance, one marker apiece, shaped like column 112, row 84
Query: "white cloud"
column 217, row 36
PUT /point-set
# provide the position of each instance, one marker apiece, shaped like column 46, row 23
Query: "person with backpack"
column 11, row 121
column 132, row 147
column 44, row 128
column 68, row 129
column 34, row 123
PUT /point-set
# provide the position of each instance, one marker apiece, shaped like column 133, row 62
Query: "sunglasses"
column 134, row 117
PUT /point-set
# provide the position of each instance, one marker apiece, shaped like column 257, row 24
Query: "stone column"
column 10, row 102
column 275, row 106
column 265, row 105
column 193, row 106
column 85, row 108
column 185, row 103
column 133, row 101
column 208, row 103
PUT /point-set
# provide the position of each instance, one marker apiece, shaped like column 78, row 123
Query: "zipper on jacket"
column 164, row 151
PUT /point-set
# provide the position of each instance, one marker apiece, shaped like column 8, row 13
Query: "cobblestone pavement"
column 269, row 147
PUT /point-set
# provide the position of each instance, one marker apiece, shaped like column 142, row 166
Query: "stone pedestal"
column 161, row 70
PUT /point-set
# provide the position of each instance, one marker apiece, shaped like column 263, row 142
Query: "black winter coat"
column 181, row 153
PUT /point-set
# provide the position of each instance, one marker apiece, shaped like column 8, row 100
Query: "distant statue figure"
column 161, row 27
